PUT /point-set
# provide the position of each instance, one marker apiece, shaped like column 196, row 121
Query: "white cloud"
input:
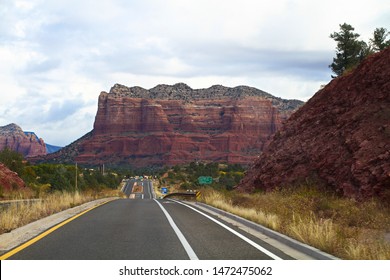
column 56, row 56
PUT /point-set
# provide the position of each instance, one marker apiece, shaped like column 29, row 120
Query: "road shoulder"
column 290, row 246
column 20, row 235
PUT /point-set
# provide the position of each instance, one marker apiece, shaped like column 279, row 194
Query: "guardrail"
column 6, row 203
column 183, row 194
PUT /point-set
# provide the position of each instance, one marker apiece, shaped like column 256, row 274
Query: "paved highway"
column 142, row 227
column 136, row 188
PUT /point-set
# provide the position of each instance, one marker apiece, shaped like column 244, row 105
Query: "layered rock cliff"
column 26, row 143
column 340, row 137
column 168, row 125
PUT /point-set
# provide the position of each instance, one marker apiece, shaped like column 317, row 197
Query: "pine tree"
column 379, row 41
column 349, row 51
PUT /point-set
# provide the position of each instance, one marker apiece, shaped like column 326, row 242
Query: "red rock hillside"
column 9, row 179
column 169, row 125
column 13, row 137
column 341, row 137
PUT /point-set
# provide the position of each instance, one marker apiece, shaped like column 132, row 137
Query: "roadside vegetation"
column 50, row 188
column 37, row 207
column 186, row 177
column 343, row 227
column 19, row 214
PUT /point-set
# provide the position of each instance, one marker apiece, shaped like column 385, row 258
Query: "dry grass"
column 342, row 227
column 372, row 250
column 25, row 193
column 319, row 233
column 19, row 214
column 218, row 200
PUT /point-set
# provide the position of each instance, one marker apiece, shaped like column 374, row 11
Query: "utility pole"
column 76, row 178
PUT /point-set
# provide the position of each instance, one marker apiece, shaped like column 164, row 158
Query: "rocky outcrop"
column 9, row 180
column 168, row 125
column 26, row 143
column 340, row 137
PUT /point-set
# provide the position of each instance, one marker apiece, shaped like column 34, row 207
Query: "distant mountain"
column 28, row 144
column 49, row 148
column 52, row 149
column 25, row 142
column 174, row 124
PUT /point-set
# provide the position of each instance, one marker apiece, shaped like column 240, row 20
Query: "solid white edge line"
column 187, row 247
column 254, row 244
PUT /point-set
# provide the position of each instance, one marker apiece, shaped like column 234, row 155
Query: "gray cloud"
column 60, row 110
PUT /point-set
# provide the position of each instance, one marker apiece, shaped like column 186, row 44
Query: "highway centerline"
column 187, row 247
column 254, row 244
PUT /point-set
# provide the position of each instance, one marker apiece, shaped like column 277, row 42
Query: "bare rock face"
column 26, row 143
column 9, row 180
column 168, row 125
column 340, row 137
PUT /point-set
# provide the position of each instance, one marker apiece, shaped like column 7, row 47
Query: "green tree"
column 29, row 175
column 227, row 181
column 379, row 41
column 60, row 179
column 349, row 51
column 13, row 160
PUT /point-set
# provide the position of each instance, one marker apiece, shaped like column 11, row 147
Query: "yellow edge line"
column 42, row 235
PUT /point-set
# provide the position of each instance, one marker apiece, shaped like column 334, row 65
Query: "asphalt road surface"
column 136, row 188
column 141, row 227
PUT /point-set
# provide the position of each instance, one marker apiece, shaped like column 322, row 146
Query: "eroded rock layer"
column 26, row 143
column 169, row 125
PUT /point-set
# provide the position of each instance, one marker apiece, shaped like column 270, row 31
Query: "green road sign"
column 205, row 180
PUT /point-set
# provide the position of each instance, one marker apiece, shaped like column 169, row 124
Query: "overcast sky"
column 57, row 56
